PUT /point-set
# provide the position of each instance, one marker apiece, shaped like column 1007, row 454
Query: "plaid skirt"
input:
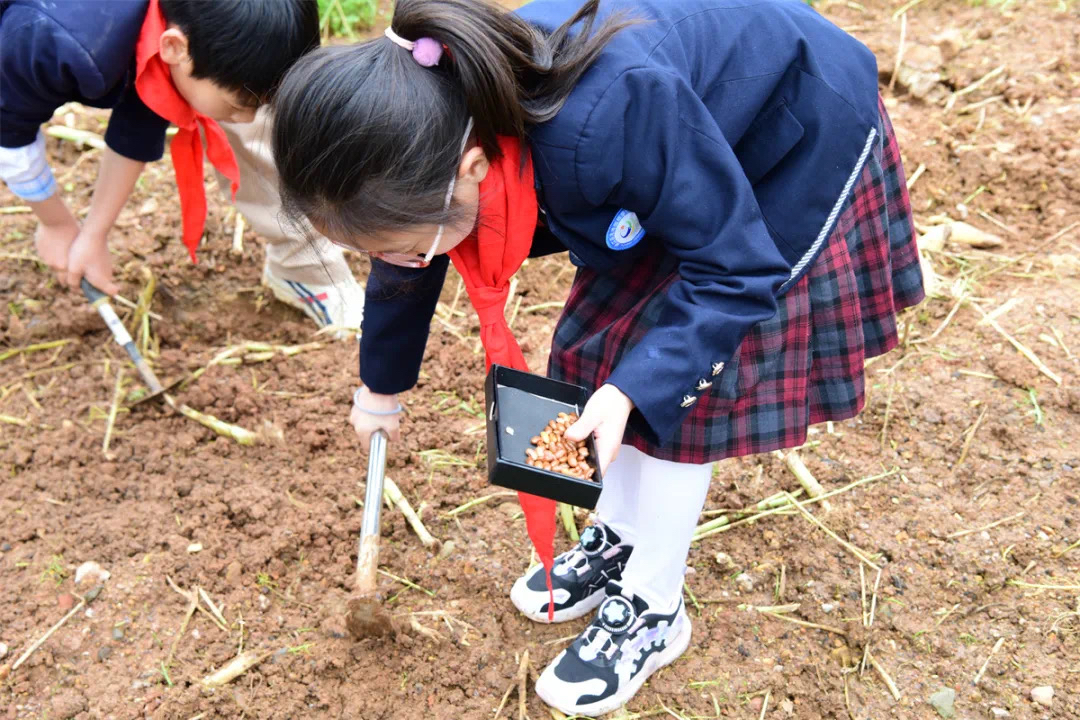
column 805, row 365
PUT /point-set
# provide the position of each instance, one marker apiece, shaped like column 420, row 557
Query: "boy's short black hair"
column 245, row 45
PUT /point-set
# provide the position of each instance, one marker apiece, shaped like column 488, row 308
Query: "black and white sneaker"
column 609, row 662
column 578, row 577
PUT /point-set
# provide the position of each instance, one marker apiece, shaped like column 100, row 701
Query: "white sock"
column 617, row 506
column 669, row 498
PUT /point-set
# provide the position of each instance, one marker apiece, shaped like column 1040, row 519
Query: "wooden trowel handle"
column 367, row 565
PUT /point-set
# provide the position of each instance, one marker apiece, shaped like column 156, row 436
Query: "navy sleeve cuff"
column 135, row 131
column 398, row 307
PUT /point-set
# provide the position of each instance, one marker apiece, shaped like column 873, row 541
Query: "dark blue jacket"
column 74, row 51
column 731, row 131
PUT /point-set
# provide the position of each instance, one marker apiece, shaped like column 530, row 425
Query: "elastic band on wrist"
column 378, row 413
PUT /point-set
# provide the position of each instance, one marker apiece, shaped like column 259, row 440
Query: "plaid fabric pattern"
column 803, row 366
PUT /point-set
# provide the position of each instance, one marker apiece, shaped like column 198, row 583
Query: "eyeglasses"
column 408, row 260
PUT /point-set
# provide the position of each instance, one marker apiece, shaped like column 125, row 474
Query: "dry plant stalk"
column 235, row 668
column 873, row 600
column 968, row 440
column 847, row 546
column 1002, row 521
column 477, row 501
column 111, row 421
column 707, row 529
column 997, row 646
column 41, row 641
column 237, row 433
column 74, row 135
column 804, row 623
column 192, row 605
column 899, row 51
column 885, row 676
column 806, row 478
column 566, row 513
column 522, row 678
column 394, row 496
column 1020, row 347
column 213, row 608
column 12, row 352
column 238, row 236
column 193, row 596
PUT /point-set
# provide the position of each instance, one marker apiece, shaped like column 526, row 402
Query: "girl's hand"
column 604, row 416
column 366, row 423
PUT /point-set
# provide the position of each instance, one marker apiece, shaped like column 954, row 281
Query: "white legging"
column 654, row 505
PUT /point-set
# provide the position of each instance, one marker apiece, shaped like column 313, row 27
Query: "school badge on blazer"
column 625, row 231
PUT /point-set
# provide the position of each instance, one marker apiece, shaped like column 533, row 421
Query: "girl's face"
column 415, row 246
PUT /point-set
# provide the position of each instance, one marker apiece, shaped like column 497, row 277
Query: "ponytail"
column 511, row 73
column 366, row 139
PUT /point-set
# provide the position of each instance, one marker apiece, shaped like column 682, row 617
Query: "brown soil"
column 278, row 522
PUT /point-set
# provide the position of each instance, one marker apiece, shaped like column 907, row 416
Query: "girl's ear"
column 173, row 46
column 474, row 166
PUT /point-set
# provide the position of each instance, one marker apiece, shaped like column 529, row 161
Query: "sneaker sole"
column 655, row 662
column 582, row 609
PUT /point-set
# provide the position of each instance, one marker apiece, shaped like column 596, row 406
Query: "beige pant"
column 297, row 254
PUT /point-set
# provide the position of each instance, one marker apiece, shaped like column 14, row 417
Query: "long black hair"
column 366, row 139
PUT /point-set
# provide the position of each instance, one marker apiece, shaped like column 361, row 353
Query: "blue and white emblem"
column 625, row 231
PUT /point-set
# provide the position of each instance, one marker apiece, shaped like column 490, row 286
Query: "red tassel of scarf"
column 487, row 260
column 153, row 83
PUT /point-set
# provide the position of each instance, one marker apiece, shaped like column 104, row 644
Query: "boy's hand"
column 53, row 243
column 89, row 257
column 605, row 417
column 365, row 423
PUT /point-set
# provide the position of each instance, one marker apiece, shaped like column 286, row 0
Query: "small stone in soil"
column 91, row 596
column 1043, row 695
column 3, row 650
column 91, row 571
column 6, row 547
column 999, row 712
column 104, row 653
column 117, row 633
column 66, row 601
column 447, row 549
column 743, row 651
column 942, row 701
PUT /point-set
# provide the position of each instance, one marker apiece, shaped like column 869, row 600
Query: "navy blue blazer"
column 729, row 132
column 74, row 51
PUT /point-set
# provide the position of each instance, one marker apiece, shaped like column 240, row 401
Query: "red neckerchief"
column 153, row 83
column 487, row 260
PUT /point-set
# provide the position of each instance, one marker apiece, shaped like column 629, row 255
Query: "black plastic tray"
column 526, row 403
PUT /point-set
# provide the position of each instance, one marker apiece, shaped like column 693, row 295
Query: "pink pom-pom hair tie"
column 425, row 51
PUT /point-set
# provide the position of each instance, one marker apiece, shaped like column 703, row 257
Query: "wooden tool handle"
column 367, row 565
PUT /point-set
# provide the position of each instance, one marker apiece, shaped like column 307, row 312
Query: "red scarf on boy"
column 153, row 83
column 487, row 260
